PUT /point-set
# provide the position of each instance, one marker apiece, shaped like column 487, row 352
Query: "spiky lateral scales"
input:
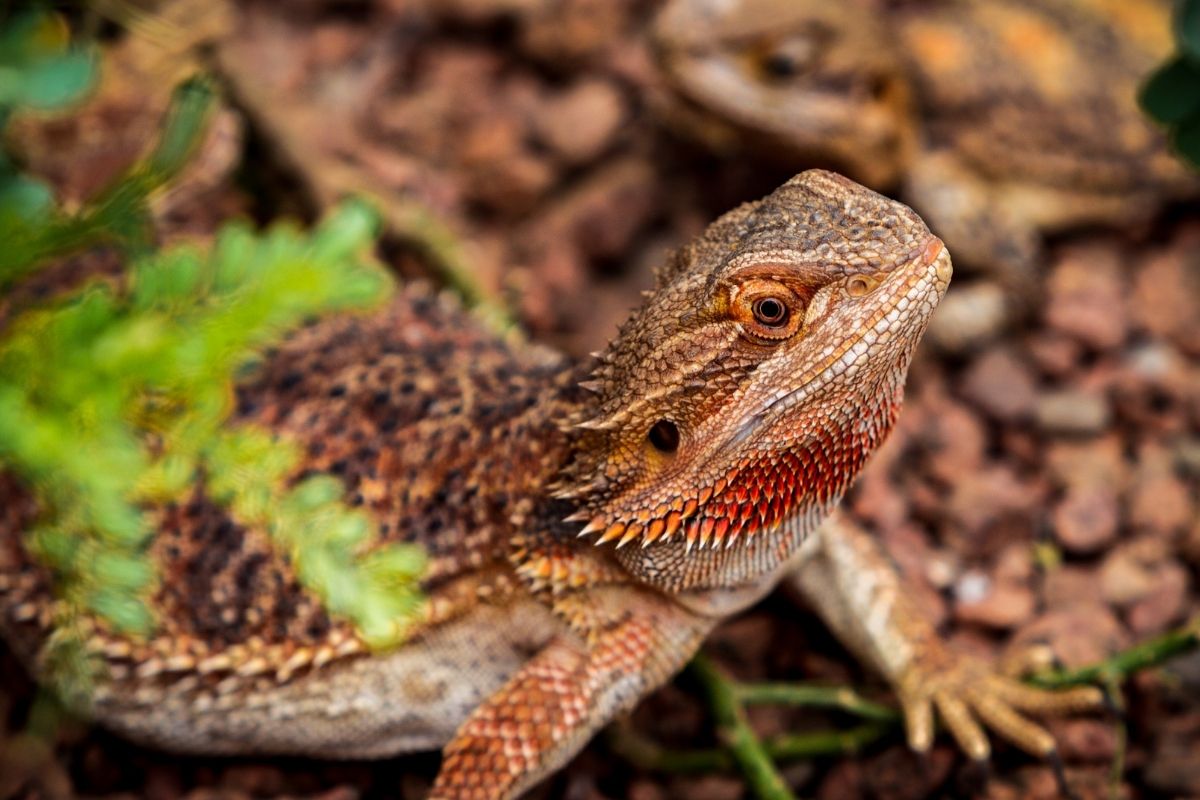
column 432, row 424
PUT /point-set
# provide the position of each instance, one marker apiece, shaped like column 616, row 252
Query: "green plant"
column 116, row 396
column 1171, row 96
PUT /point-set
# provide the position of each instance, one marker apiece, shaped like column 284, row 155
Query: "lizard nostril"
column 664, row 436
column 933, row 249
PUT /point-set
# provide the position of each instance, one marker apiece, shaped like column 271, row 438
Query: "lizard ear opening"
column 664, row 435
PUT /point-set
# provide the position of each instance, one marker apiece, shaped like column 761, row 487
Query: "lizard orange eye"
column 770, row 311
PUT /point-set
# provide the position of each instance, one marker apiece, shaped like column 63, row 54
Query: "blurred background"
column 541, row 157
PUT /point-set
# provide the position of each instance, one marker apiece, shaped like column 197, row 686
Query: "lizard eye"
column 781, row 64
column 795, row 55
column 770, row 311
column 664, row 436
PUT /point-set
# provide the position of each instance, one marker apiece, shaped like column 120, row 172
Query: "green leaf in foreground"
column 1186, row 139
column 113, row 399
column 1187, row 29
column 34, row 234
column 39, row 67
column 1173, row 92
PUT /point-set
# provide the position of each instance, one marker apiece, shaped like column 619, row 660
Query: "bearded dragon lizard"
column 586, row 524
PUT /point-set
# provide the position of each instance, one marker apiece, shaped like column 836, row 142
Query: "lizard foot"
column 970, row 696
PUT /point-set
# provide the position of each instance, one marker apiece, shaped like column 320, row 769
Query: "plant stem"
column 734, row 731
column 813, row 696
column 1121, row 665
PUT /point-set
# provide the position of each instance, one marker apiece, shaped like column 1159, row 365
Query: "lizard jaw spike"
column 653, row 531
column 597, row 424
column 574, row 492
column 578, row 516
column 613, row 531
column 722, row 528
column 631, row 533
column 597, row 524
column 672, row 524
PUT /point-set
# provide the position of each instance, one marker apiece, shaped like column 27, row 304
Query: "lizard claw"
column 970, row 697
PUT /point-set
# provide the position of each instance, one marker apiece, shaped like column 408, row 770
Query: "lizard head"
column 819, row 81
column 749, row 388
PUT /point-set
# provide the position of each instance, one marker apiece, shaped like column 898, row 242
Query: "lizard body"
column 586, row 524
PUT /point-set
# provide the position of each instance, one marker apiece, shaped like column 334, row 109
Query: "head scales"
column 711, row 427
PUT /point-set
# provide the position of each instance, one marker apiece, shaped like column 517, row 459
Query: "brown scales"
column 426, row 418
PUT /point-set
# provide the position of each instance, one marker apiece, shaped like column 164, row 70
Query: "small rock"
column 1164, row 604
column 1186, row 451
column 900, row 774
column 1027, row 783
column 580, row 123
column 1159, row 501
column 1174, row 768
column 1085, row 296
column 1053, row 353
column 1086, row 519
column 1190, row 548
column 991, row 603
column 1100, row 461
column 1078, row 635
column 257, row 780
column 878, row 501
column 844, row 779
column 1069, row 585
column 1015, row 563
column 709, row 787
column 1001, row 384
column 1166, row 298
column 1129, row 572
column 968, row 317
column 1072, row 412
column 955, row 439
column 646, row 790
column 987, row 496
column 1093, row 740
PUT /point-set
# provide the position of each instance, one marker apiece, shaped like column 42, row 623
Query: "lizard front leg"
column 858, row 593
column 551, row 707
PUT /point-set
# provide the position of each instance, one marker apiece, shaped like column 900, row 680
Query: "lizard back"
column 431, row 422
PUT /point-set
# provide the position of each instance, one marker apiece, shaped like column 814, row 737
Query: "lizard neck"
column 761, row 514
column 770, row 504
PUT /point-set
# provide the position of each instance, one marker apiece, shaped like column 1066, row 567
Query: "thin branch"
column 1123, row 664
column 843, row 698
column 735, row 732
column 647, row 754
column 827, row 743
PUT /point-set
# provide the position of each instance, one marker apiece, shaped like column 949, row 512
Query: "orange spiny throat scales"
column 750, row 388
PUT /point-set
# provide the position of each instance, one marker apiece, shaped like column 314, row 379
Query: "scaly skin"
column 587, row 524
column 997, row 119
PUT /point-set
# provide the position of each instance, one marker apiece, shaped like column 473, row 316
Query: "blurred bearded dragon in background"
column 586, row 525
column 998, row 120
